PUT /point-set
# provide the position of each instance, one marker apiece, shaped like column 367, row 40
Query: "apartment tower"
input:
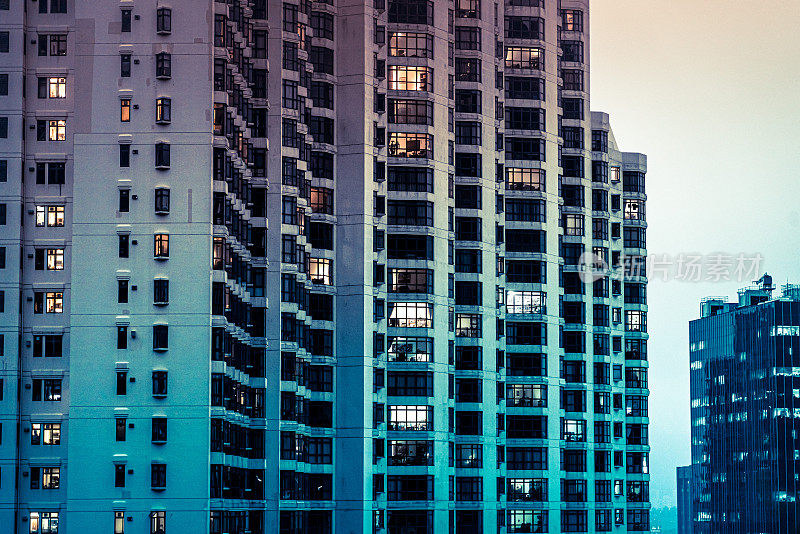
column 316, row 267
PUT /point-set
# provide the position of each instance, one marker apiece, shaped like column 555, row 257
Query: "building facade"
column 684, row 486
column 396, row 281
column 744, row 394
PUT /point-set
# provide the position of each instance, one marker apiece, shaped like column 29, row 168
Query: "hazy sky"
column 710, row 91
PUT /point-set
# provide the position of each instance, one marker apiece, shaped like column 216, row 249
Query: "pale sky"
column 710, row 91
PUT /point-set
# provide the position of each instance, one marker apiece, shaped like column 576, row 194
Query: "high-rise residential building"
column 745, row 397
column 382, row 270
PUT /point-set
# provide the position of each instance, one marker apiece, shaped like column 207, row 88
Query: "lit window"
column 158, row 520
column 320, row 270
column 634, row 209
column 635, row 321
column 410, row 145
column 45, row 433
column 54, row 302
column 411, row 314
column 468, row 325
column 119, row 520
column 49, row 215
column 410, row 349
column 525, row 301
column 410, row 418
column 408, row 78
column 125, row 110
column 573, row 224
column 613, row 173
column 163, row 110
column 518, row 57
column 404, row 44
column 43, row 522
column 57, row 130
column 57, row 87
column 161, row 245
column 55, row 259
column 519, row 179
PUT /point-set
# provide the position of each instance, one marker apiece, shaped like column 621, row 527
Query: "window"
column 48, row 346
column 45, row 433
column 122, row 291
column 468, row 325
column 43, row 522
column 413, row 179
column 158, row 477
column 525, row 302
column 410, row 281
column 519, row 521
column 163, row 110
column 46, row 478
column 526, row 395
column 410, row 78
column 413, row 418
column 405, row 44
column 48, row 302
column 51, row 130
column 159, row 383
column 468, row 38
column 518, row 57
column 163, row 20
column 52, row 87
column 320, row 270
column 468, row 133
column 322, row 23
column 124, row 245
column 160, row 291
column 4, row 42
column 125, row 21
column 160, row 337
column 322, row 59
column 410, row 383
column 163, row 65
column 527, row 490
column 162, row 153
column 125, row 110
column 50, row 216
column 573, row 79
column 46, row 389
column 410, row 349
column 122, row 337
column 321, row 200
column 52, row 173
column 411, row 314
column 526, row 458
column 411, row 11
column 410, row 145
column 58, row 45
column 524, row 118
column 321, row 94
column 159, row 429
column 125, row 65
column 525, row 210
column 410, row 112
column 56, row 6
column 161, row 246
column 572, row 51
column 524, row 28
column 467, row 69
column 524, row 148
